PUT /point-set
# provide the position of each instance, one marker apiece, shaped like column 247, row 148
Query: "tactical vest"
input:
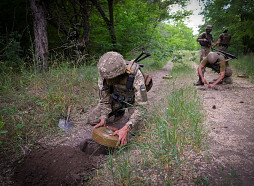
column 225, row 39
column 208, row 37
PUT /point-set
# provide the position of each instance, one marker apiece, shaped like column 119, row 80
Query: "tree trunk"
column 109, row 22
column 85, row 15
column 40, row 33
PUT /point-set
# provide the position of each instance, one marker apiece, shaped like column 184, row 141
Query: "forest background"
column 49, row 51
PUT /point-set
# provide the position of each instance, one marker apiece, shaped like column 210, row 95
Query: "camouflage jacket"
column 138, row 93
column 204, row 35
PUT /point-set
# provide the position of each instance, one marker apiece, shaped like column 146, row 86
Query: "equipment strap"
column 128, row 69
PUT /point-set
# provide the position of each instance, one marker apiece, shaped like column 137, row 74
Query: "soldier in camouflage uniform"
column 223, row 40
column 115, row 97
column 206, row 40
column 218, row 63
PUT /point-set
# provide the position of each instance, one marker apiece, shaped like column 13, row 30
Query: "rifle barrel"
column 225, row 53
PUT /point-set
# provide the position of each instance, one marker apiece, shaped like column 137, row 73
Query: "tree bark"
column 85, row 16
column 40, row 33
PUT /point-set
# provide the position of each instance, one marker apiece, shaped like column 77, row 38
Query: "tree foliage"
column 238, row 16
column 91, row 27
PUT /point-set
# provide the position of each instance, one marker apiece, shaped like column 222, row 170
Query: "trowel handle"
column 68, row 113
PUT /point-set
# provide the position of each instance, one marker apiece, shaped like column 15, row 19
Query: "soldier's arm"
column 200, row 38
column 222, row 73
column 219, row 40
column 200, row 67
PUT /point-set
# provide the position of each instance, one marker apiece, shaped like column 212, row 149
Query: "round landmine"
column 243, row 76
column 102, row 136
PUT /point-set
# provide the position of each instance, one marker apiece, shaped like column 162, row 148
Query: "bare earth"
column 230, row 121
column 229, row 158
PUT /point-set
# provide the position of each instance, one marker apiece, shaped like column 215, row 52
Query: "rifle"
column 209, row 43
column 142, row 53
column 225, row 53
column 147, row 79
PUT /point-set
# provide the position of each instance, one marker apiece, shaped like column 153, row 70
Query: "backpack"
column 225, row 39
column 132, row 68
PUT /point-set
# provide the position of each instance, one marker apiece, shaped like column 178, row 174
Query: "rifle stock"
column 138, row 58
column 225, row 53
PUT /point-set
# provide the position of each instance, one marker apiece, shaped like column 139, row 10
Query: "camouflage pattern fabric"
column 204, row 49
column 204, row 52
column 225, row 38
column 108, row 105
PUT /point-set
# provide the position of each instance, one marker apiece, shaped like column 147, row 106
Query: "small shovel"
column 64, row 123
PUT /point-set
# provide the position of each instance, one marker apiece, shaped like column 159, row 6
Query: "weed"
column 245, row 64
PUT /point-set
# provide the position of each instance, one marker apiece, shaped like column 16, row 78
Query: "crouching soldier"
column 218, row 63
column 121, row 88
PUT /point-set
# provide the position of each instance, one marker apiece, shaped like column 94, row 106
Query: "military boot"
column 227, row 80
column 199, row 82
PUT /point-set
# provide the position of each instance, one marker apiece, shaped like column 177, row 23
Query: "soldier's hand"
column 122, row 133
column 211, row 85
column 101, row 124
column 205, row 82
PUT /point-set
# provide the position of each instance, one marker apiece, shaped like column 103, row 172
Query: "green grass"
column 245, row 64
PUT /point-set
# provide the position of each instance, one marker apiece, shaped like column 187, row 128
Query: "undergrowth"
column 244, row 64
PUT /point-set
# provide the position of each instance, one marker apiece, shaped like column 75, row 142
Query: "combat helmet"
column 225, row 29
column 111, row 64
column 209, row 27
column 212, row 57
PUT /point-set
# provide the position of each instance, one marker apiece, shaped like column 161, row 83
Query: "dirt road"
column 230, row 122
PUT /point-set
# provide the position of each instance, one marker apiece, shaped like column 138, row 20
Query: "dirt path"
column 230, row 121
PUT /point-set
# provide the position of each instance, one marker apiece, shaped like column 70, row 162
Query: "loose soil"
column 71, row 159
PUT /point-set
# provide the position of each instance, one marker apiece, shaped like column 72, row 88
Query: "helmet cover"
column 212, row 57
column 209, row 27
column 111, row 64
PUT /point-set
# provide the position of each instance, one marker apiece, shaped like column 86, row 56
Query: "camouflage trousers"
column 204, row 52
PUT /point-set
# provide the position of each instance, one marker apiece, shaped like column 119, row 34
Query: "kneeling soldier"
column 218, row 63
column 119, row 91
